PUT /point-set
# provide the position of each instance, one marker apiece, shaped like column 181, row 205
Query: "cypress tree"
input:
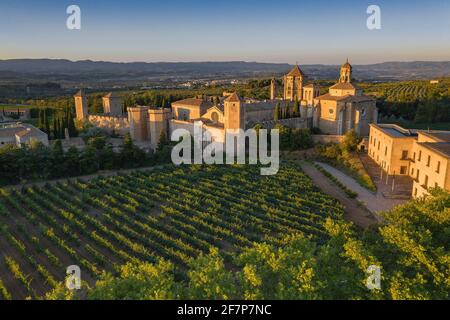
column 276, row 115
column 55, row 127
column 46, row 123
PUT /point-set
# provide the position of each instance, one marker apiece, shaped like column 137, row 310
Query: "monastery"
column 342, row 109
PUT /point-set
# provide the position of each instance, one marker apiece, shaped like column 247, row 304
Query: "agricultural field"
column 174, row 213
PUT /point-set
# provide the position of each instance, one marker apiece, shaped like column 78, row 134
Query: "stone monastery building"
column 342, row 109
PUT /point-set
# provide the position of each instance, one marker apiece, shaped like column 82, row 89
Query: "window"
column 414, row 156
column 438, row 169
column 418, row 174
column 436, row 185
column 425, row 184
column 404, row 154
column 415, row 192
column 403, row 170
column 385, row 151
column 428, row 161
column 331, row 111
column 378, row 145
column 420, row 156
column 363, row 112
column 412, row 171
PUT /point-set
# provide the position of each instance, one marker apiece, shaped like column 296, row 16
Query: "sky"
column 287, row 31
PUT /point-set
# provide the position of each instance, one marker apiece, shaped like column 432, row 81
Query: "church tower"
column 233, row 113
column 273, row 89
column 346, row 73
column 293, row 85
column 81, row 106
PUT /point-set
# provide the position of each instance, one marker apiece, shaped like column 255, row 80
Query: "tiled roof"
column 233, row 98
column 296, row 72
column 194, row 102
column 343, row 86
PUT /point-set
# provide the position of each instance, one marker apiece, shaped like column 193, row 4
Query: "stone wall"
column 119, row 124
column 323, row 138
column 294, row 123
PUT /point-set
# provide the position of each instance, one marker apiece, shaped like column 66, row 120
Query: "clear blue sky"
column 314, row 31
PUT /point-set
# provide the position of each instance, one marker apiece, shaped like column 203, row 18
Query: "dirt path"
column 355, row 212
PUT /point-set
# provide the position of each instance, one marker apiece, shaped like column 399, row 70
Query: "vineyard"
column 175, row 213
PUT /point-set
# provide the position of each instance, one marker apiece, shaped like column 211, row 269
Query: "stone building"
column 422, row 155
column 345, row 107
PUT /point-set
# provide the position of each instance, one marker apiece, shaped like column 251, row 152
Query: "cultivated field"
column 174, row 213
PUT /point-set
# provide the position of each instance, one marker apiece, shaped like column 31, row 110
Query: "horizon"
column 284, row 32
column 224, row 61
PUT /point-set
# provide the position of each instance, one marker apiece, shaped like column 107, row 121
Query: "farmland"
column 174, row 213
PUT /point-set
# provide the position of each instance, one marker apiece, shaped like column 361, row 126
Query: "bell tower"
column 293, row 84
column 346, row 73
column 234, row 113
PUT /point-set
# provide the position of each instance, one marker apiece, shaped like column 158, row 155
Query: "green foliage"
column 294, row 139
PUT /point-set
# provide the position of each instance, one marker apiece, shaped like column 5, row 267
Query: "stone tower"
column 138, row 121
column 234, row 113
column 273, row 89
column 159, row 121
column 293, row 84
column 346, row 73
column 112, row 104
column 81, row 106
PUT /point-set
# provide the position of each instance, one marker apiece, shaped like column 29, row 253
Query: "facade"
column 20, row 113
column 422, row 155
column 19, row 134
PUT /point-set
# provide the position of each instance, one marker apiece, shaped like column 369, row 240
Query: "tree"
column 276, row 115
column 296, row 109
column 350, row 141
column 162, row 140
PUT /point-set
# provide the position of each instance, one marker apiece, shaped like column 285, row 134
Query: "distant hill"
column 86, row 70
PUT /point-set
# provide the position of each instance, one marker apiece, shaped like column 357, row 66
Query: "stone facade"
column 117, row 124
column 345, row 108
column 81, row 105
column 422, row 155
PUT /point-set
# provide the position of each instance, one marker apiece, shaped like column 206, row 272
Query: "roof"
column 440, row 147
column 296, row 72
column 344, row 86
column 328, row 96
column 439, row 136
column 79, row 93
column 395, row 131
column 194, row 102
column 346, row 98
column 30, row 132
column 112, row 95
column 233, row 98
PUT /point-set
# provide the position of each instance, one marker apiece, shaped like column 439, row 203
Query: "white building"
column 19, row 134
